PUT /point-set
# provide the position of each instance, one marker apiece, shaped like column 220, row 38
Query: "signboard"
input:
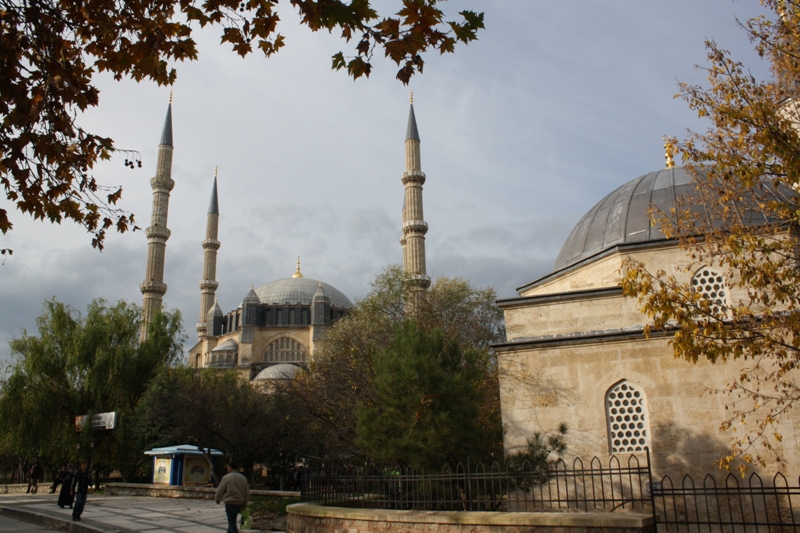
column 196, row 471
column 99, row 421
column 162, row 468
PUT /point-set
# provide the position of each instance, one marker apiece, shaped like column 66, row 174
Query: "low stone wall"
column 20, row 488
column 168, row 491
column 304, row 518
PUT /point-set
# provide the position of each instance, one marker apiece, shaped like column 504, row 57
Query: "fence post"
column 650, row 488
column 469, row 487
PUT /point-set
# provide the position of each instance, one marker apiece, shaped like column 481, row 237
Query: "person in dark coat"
column 36, row 473
column 80, row 489
column 66, row 497
column 58, row 479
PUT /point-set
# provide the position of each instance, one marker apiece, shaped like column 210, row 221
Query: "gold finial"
column 216, row 168
column 297, row 273
column 411, row 97
column 669, row 149
column 170, row 96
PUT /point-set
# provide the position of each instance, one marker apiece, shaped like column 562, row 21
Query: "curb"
column 47, row 520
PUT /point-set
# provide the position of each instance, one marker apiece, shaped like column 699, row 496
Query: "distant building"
column 278, row 326
column 576, row 351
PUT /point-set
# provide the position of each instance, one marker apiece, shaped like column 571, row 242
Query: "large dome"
column 299, row 291
column 623, row 216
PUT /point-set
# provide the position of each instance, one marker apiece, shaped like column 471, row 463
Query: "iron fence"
column 497, row 487
column 732, row 506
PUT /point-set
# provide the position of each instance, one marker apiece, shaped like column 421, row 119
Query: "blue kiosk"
column 181, row 465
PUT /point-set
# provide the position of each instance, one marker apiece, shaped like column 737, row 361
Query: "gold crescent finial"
column 669, row 148
column 297, row 273
column 411, row 97
column 216, row 168
column 170, row 96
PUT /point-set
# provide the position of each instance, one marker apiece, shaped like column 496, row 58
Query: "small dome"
column 280, row 371
column 299, row 291
column 251, row 298
column 623, row 216
column 227, row 346
column 215, row 310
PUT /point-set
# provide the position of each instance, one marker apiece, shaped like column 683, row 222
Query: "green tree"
column 212, row 410
column 425, row 409
column 78, row 366
column 747, row 169
column 342, row 374
column 51, row 51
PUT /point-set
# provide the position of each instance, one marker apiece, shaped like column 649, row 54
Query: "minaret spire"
column 208, row 285
column 153, row 287
column 414, row 226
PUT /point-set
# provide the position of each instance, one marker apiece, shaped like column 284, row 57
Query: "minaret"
column 414, row 226
column 208, row 286
column 153, row 287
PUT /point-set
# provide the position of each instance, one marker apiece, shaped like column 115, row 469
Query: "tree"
column 747, row 174
column 80, row 366
column 341, row 376
column 52, row 50
column 435, row 418
column 211, row 410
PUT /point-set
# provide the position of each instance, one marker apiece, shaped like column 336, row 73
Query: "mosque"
column 575, row 351
column 277, row 327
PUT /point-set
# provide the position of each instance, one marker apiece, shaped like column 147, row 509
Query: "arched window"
column 285, row 350
column 627, row 418
column 711, row 285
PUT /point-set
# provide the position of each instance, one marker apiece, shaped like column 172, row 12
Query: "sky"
column 523, row 131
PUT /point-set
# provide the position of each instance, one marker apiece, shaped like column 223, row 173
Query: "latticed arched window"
column 285, row 350
column 627, row 418
column 711, row 285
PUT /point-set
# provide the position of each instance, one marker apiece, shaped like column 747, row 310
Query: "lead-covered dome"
column 300, row 291
column 623, row 216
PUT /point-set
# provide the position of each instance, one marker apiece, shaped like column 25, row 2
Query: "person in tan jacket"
column 234, row 492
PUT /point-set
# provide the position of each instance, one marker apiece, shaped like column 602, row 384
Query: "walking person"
column 80, row 489
column 66, row 496
column 59, row 479
column 36, row 474
column 234, row 491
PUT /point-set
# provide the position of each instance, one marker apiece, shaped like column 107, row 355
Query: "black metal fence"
column 507, row 487
column 733, row 506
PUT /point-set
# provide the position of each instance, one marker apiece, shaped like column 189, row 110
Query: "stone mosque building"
column 576, row 351
column 277, row 327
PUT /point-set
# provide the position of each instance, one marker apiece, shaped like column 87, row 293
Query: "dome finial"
column 669, row 149
column 216, row 168
column 411, row 97
column 170, row 96
column 297, row 273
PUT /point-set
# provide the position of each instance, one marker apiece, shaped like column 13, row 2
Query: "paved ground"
column 117, row 514
column 9, row 525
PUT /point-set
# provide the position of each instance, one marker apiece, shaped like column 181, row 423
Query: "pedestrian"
column 66, row 497
column 59, row 479
column 34, row 476
column 80, row 489
column 234, row 491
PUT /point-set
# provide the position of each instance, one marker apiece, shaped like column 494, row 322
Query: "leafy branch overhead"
column 51, row 51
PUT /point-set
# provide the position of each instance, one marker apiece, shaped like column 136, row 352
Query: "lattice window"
column 285, row 350
column 627, row 418
column 711, row 284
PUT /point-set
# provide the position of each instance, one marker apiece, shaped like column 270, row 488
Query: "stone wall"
column 171, row 491
column 304, row 518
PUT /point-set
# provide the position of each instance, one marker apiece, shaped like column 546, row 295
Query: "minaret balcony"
column 208, row 285
column 162, row 184
column 211, row 244
column 158, row 233
column 415, row 177
column 153, row 287
column 415, row 226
